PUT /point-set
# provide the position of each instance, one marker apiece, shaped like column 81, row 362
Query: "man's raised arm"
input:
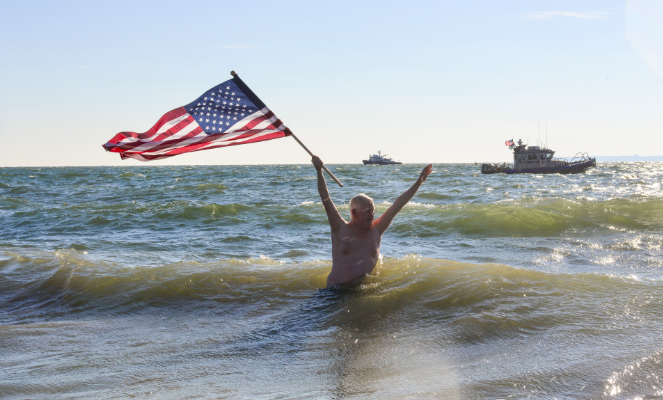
column 385, row 219
column 335, row 219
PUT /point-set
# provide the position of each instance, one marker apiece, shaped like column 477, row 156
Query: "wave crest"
column 506, row 299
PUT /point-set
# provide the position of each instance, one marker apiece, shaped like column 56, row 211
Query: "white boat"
column 380, row 159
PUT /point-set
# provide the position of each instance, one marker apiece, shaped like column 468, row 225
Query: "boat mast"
column 538, row 127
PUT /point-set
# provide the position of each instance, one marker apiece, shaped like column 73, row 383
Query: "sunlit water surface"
column 205, row 282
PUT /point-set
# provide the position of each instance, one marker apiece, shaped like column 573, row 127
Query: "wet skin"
column 356, row 244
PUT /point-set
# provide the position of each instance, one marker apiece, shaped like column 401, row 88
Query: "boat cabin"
column 531, row 157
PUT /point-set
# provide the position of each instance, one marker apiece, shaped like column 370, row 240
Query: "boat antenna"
column 546, row 134
column 538, row 127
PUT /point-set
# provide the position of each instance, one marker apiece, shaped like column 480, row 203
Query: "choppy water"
column 204, row 282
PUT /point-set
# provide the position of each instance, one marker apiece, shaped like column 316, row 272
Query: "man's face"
column 364, row 215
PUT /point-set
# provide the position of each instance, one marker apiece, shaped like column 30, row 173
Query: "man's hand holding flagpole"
column 289, row 132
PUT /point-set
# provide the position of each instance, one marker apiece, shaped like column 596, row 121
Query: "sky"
column 423, row 81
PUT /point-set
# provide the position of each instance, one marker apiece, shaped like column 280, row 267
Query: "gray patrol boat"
column 539, row 160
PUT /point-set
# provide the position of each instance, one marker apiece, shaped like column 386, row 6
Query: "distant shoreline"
column 625, row 158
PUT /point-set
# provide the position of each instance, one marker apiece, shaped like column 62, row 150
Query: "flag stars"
column 206, row 120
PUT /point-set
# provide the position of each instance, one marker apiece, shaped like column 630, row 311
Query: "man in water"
column 356, row 244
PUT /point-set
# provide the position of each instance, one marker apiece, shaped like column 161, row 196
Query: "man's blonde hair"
column 360, row 201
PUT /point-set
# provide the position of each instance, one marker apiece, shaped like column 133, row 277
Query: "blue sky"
column 422, row 81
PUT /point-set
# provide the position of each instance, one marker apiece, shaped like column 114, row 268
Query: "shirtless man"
column 356, row 244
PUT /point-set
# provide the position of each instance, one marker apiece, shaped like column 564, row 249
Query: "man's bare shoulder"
column 344, row 232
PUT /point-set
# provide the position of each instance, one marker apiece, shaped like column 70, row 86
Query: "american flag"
column 509, row 142
column 226, row 115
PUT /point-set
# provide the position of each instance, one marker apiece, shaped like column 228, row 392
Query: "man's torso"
column 355, row 253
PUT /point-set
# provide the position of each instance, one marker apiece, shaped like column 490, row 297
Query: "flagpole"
column 287, row 130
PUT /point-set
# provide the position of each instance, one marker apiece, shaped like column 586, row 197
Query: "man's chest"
column 348, row 242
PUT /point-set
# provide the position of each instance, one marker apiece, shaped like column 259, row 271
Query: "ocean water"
column 207, row 282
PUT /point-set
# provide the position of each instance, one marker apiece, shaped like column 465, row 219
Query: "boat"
column 380, row 159
column 539, row 160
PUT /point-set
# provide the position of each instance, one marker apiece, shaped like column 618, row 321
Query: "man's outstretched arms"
column 385, row 219
column 335, row 219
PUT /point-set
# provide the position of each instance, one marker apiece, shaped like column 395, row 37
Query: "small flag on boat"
column 509, row 142
column 228, row 114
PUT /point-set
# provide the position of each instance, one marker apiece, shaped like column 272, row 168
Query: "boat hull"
column 367, row 162
column 492, row 168
column 573, row 168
